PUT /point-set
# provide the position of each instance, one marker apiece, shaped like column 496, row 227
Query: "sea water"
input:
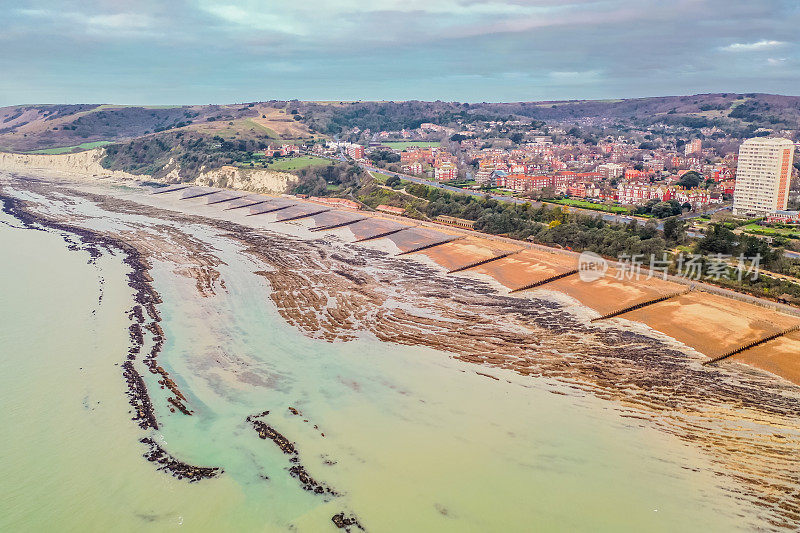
column 414, row 440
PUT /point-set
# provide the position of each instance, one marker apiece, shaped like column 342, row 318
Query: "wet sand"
column 710, row 323
column 414, row 238
column 610, row 294
column 374, row 226
column 466, row 251
column 780, row 356
column 526, row 267
column 336, row 218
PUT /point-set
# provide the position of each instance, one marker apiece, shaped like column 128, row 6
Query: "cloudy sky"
column 204, row 51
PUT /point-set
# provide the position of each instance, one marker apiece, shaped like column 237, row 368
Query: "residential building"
column 288, row 149
column 584, row 190
column 611, row 170
column 413, row 168
column 453, row 221
column 484, row 176
column 641, row 193
column 694, row 146
column 522, row 182
column 446, row 170
column 634, row 175
column 697, row 198
column 356, row 151
column 784, row 217
column 763, row 175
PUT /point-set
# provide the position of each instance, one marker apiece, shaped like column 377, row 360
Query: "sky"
column 231, row 51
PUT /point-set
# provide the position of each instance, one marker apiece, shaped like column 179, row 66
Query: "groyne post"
column 245, row 205
column 640, row 305
column 337, row 225
column 384, row 234
column 271, row 210
column 431, row 245
column 546, row 280
column 752, row 345
column 304, row 215
column 483, row 261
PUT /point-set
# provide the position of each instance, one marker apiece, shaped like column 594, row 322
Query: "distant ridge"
column 34, row 127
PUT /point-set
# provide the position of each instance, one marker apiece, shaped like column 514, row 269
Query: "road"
column 608, row 217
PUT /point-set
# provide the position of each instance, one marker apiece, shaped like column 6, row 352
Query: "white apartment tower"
column 763, row 175
column 693, row 147
column 611, row 170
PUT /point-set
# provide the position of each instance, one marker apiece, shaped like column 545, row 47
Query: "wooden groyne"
column 431, row 245
column 483, row 261
column 634, row 307
column 304, row 215
column 337, row 225
column 545, row 280
column 384, row 234
column 271, row 210
column 198, row 195
column 752, row 345
column 171, row 189
column 228, row 199
column 246, row 205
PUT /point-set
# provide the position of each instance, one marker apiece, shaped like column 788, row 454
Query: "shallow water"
column 413, row 439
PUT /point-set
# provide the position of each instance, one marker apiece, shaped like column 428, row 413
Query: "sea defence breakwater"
column 335, row 275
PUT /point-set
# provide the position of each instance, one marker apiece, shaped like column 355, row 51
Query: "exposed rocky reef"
column 296, row 470
column 146, row 299
column 179, row 469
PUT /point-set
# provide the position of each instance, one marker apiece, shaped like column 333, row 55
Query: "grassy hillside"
column 44, row 127
column 68, row 149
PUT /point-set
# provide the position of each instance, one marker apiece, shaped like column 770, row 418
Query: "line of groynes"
column 483, row 261
column 634, row 307
column 752, row 345
column 545, row 280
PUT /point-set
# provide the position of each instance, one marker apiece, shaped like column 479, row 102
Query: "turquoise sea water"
column 413, row 440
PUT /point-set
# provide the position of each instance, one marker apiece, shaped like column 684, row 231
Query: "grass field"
column 583, row 204
column 67, row 149
column 766, row 230
column 503, row 192
column 403, row 145
column 380, row 176
column 246, row 128
column 296, row 163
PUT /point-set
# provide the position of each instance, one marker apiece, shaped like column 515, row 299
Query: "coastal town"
column 558, row 167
